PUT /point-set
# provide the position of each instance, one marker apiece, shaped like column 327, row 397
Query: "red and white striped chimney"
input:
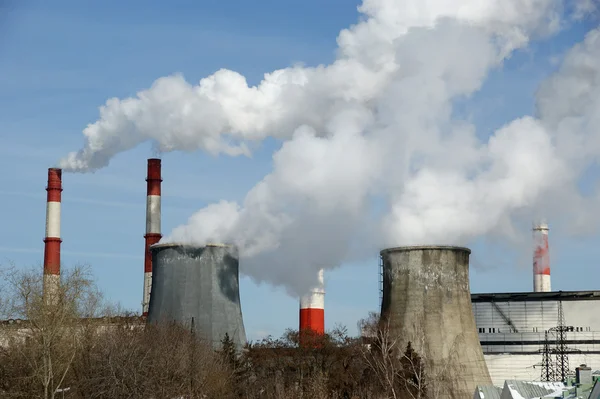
column 52, row 240
column 312, row 309
column 152, row 225
column 541, row 259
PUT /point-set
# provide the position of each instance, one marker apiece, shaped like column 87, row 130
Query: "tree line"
column 77, row 346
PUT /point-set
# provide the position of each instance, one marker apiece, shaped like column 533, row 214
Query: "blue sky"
column 60, row 60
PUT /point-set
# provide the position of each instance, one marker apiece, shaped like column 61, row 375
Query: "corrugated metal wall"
column 512, row 335
column 534, row 342
column 493, row 317
column 535, row 316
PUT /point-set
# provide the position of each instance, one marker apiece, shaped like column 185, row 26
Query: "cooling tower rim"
column 193, row 246
column 424, row 247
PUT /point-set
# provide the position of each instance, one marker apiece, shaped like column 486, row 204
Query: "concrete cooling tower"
column 427, row 301
column 201, row 283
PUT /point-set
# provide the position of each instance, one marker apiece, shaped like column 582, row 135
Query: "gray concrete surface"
column 198, row 282
column 427, row 300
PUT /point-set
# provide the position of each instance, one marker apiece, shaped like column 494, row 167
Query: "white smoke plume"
column 569, row 109
column 375, row 128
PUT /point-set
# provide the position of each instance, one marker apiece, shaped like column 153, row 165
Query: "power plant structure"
column 181, row 283
column 541, row 259
column 199, row 285
column 312, row 309
column 513, row 330
column 426, row 301
column 517, row 329
column 196, row 286
column 153, row 217
column 52, row 240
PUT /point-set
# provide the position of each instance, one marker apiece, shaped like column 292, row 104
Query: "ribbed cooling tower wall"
column 426, row 300
column 198, row 282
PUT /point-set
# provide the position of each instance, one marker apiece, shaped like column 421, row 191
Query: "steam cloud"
column 375, row 129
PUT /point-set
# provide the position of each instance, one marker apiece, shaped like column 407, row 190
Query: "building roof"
column 514, row 389
column 537, row 296
column 487, row 392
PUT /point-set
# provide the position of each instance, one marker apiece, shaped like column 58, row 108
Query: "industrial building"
column 513, row 328
column 583, row 385
column 191, row 285
column 480, row 338
column 196, row 286
column 520, row 333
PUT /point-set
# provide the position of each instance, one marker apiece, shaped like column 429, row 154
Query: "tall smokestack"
column 541, row 259
column 152, row 225
column 52, row 240
column 312, row 309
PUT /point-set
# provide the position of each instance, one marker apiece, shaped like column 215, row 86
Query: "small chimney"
column 583, row 375
column 153, row 235
column 52, row 240
column 541, row 259
column 312, row 310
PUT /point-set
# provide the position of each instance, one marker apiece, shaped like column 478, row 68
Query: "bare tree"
column 134, row 360
column 381, row 352
column 76, row 341
column 290, row 367
column 414, row 379
column 49, row 339
column 4, row 313
column 402, row 371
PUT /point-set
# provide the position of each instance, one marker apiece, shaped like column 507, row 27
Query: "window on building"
column 493, row 330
